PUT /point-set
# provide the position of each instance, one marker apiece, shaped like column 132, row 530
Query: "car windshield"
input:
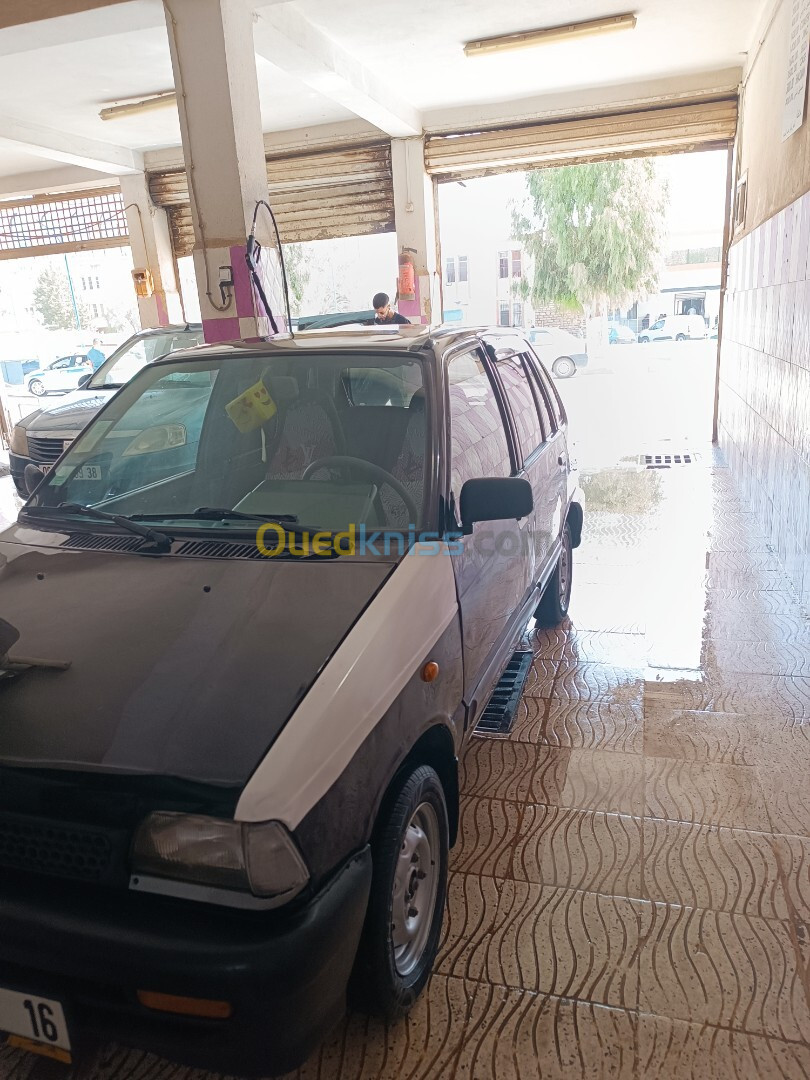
column 136, row 353
column 317, row 439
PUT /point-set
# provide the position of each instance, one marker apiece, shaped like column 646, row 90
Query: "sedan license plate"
column 37, row 1020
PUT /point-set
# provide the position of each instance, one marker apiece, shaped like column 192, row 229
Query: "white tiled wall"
column 765, row 381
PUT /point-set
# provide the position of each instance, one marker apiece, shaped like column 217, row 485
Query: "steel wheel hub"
column 416, row 880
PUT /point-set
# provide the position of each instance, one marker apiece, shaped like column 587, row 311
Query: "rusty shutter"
column 666, row 129
column 346, row 191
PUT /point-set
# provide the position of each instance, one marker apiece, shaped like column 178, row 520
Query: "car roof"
column 413, row 338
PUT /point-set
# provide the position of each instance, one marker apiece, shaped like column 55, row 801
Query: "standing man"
column 95, row 355
column 384, row 312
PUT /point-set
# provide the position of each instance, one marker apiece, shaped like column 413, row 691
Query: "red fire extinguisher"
column 406, row 285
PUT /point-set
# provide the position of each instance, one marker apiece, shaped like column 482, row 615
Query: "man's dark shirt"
column 395, row 318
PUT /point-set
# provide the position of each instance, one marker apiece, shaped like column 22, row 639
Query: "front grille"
column 46, row 847
column 45, row 450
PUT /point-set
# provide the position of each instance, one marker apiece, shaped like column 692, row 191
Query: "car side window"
column 521, row 401
column 478, row 443
column 552, row 398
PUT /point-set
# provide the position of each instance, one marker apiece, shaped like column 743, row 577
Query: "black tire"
column 37, row 388
column 680, row 337
column 553, row 606
column 643, row 340
column 388, row 980
column 564, row 367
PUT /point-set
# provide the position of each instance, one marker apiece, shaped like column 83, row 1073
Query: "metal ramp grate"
column 499, row 715
column 668, row 461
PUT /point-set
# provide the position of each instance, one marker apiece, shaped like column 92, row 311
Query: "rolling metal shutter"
column 315, row 196
column 668, row 129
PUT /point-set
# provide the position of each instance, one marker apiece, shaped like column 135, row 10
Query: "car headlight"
column 19, row 441
column 261, row 859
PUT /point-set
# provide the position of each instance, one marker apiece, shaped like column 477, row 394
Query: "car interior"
column 344, row 444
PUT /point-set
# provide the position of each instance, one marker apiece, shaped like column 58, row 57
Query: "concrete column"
column 214, row 64
column 416, row 225
column 152, row 249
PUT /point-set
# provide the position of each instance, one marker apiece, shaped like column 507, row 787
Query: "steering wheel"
column 372, row 470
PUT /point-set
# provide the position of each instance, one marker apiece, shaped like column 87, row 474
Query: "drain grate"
column 499, row 715
column 667, row 461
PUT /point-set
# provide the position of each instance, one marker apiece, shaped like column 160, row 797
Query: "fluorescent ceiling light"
column 130, row 108
column 529, row 38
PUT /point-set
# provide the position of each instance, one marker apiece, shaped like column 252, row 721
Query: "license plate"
column 88, row 472
column 34, row 1018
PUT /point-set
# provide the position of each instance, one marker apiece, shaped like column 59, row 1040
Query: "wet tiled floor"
column 630, row 895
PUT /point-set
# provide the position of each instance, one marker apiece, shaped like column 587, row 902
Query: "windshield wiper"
column 159, row 539
column 213, row 513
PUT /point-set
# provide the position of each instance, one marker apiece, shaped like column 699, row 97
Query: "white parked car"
column 675, row 327
column 59, row 377
column 562, row 352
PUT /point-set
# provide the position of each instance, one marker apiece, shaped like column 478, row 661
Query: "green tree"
column 53, row 303
column 297, row 266
column 594, row 232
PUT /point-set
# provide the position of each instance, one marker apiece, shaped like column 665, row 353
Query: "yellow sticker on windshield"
column 251, row 409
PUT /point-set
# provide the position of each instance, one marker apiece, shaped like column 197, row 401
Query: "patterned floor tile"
column 794, row 859
column 626, row 651
column 707, row 793
column 676, row 1050
column 729, row 738
column 733, row 971
column 487, row 834
column 574, row 849
column 469, row 922
column 757, row 657
column 572, row 944
column 424, row 1045
column 516, row 1035
column 787, row 795
column 581, row 779
column 576, row 682
column 710, row 867
column 590, row 725
column 772, row 695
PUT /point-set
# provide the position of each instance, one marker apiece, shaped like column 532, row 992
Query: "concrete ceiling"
column 321, row 65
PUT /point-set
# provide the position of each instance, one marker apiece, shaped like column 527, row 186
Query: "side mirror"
column 495, row 498
column 32, row 477
column 84, row 380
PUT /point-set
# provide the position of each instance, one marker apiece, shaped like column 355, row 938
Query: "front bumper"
column 17, row 465
column 580, row 359
column 285, row 974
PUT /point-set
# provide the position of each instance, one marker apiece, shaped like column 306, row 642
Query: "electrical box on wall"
column 144, row 284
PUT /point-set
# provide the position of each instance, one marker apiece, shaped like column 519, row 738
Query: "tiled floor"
column 630, row 895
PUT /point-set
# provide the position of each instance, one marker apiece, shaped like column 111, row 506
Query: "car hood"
column 183, row 667
column 70, row 416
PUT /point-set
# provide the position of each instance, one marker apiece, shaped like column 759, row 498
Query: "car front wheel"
column 37, row 388
column 553, row 606
column 408, row 892
column 564, row 367
column 680, row 337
